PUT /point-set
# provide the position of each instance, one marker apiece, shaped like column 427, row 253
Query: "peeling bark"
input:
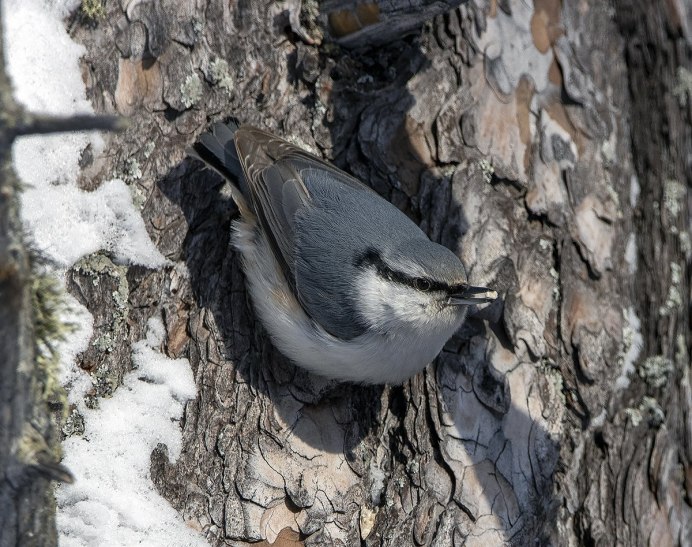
column 512, row 133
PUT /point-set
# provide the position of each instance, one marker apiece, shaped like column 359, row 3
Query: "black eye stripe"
column 373, row 258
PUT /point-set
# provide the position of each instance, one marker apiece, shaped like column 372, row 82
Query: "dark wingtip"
column 232, row 123
column 216, row 148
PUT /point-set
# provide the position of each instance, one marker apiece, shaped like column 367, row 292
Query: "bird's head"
column 417, row 286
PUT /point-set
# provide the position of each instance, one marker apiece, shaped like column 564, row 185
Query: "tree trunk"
column 547, row 144
column 29, row 442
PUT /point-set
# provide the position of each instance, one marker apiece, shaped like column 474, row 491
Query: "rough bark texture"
column 514, row 134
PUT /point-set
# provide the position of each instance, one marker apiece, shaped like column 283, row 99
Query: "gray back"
column 343, row 223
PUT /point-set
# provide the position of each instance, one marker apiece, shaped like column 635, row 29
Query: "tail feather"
column 216, row 149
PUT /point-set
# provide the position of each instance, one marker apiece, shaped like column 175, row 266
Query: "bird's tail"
column 216, row 149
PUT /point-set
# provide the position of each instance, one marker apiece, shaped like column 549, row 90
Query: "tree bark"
column 547, row 144
column 29, row 442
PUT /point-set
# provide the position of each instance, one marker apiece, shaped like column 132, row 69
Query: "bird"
column 346, row 285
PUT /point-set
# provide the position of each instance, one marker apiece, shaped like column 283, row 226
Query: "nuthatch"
column 346, row 284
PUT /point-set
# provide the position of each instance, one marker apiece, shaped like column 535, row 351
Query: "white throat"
column 389, row 306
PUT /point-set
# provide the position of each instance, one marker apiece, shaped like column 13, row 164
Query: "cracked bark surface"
column 512, row 134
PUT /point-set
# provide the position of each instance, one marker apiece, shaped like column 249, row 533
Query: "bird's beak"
column 472, row 295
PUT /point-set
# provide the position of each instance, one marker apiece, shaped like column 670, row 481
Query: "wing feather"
column 273, row 170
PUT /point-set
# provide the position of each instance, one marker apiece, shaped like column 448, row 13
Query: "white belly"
column 370, row 358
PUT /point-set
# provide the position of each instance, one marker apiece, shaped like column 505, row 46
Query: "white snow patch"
column 113, row 498
column 43, row 64
column 66, row 223
column 72, row 377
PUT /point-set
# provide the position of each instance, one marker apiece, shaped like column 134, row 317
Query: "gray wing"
column 274, row 172
column 319, row 220
column 334, row 235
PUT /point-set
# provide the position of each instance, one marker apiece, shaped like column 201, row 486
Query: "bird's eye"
column 421, row 284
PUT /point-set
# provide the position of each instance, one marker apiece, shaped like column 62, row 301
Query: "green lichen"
column 148, row 149
column 74, row 424
column 93, row 9
column 648, row 407
column 681, row 356
column 191, row 90
column 685, row 244
column 628, row 336
column 311, row 8
column 96, row 265
column 139, row 198
column 631, row 346
column 197, row 26
column 220, row 76
column 49, row 307
column 132, row 169
column 132, row 172
column 448, row 170
column 674, row 298
column 488, row 170
column 310, row 13
column 105, row 379
column 655, row 370
column 104, row 343
column 683, row 87
column 673, row 196
column 634, row 415
column 105, row 382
